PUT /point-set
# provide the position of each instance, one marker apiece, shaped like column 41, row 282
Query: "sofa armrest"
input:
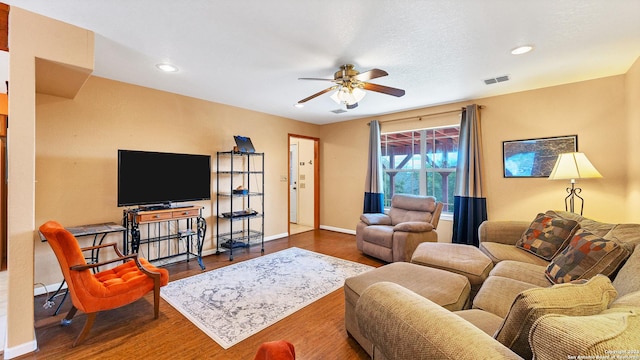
column 375, row 219
column 608, row 335
column 413, row 226
column 503, row 232
column 404, row 325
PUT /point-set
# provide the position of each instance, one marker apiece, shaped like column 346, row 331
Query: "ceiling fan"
column 350, row 85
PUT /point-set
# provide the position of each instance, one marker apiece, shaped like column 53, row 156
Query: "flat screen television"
column 146, row 177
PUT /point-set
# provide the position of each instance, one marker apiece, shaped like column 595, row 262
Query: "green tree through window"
column 421, row 162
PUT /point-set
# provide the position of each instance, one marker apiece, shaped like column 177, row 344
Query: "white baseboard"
column 39, row 289
column 277, row 236
column 22, row 349
column 331, row 228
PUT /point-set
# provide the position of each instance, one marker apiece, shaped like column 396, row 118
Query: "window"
column 421, row 162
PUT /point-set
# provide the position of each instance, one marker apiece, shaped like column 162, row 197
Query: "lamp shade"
column 573, row 165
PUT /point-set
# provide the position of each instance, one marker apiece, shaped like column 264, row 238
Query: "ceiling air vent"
column 496, row 79
column 339, row 111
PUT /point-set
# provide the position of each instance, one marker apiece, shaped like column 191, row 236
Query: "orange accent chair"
column 276, row 350
column 105, row 290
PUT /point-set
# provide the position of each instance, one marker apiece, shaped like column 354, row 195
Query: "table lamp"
column 574, row 165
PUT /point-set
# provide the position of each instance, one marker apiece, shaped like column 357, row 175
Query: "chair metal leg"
column 91, row 317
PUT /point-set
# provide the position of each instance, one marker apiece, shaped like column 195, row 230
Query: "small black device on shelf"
column 243, row 144
column 241, row 213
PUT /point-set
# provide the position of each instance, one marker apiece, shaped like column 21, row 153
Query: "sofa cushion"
column 585, row 256
column 497, row 294
column 516, row 270
column 462, row 259
column 627, row 280
column 547, row 235
column 499, row 252
column 588, row 298
column 627, row 301
column 609, row 335
column 627, row 235
column 446, row 289
column 483, row 320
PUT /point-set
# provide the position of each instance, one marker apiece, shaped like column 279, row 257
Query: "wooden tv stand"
column 159, row 234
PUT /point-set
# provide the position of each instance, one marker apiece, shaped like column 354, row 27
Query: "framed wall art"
column 535, row 157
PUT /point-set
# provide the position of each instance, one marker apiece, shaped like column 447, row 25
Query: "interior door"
column 293, row 183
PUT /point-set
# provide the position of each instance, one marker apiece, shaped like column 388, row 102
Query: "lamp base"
column 569, row 201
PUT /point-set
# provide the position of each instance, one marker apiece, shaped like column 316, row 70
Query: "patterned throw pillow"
column 547, row 235
column 586, row 256
column 569, row 299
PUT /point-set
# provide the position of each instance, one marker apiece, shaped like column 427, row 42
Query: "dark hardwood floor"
column 317, row 331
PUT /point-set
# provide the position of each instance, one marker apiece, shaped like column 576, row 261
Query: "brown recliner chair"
column 412, row 220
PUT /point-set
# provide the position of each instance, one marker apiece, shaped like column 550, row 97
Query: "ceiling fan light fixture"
column 335, row 97
column 351, row 86
column 348, row 96
column 358, row 94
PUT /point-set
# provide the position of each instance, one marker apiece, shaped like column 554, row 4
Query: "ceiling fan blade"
column 383, row 89
column 353, row 106
column 318, row 94
column 316, row 79
column 371, row 74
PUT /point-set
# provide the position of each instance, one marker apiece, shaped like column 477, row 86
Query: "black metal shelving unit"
column 241, row 210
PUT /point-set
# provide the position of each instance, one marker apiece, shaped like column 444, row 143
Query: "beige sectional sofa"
column 551, row 302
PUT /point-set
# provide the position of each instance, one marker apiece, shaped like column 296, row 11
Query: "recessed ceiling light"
column 522, row 50
column 167, row 67
column 298, row 105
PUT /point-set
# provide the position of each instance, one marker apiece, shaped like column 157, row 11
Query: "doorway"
column 304, row 184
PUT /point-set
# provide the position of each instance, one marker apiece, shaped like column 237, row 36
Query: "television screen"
column 146, row 177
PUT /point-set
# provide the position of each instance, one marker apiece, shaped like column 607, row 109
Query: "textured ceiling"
column 251, row 53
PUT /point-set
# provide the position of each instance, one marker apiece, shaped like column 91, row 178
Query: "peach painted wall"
column 31, row 36
column 594, row 110
column 77, row 143
column 633, row 137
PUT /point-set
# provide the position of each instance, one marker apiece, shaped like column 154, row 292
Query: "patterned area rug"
column 234, row 302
